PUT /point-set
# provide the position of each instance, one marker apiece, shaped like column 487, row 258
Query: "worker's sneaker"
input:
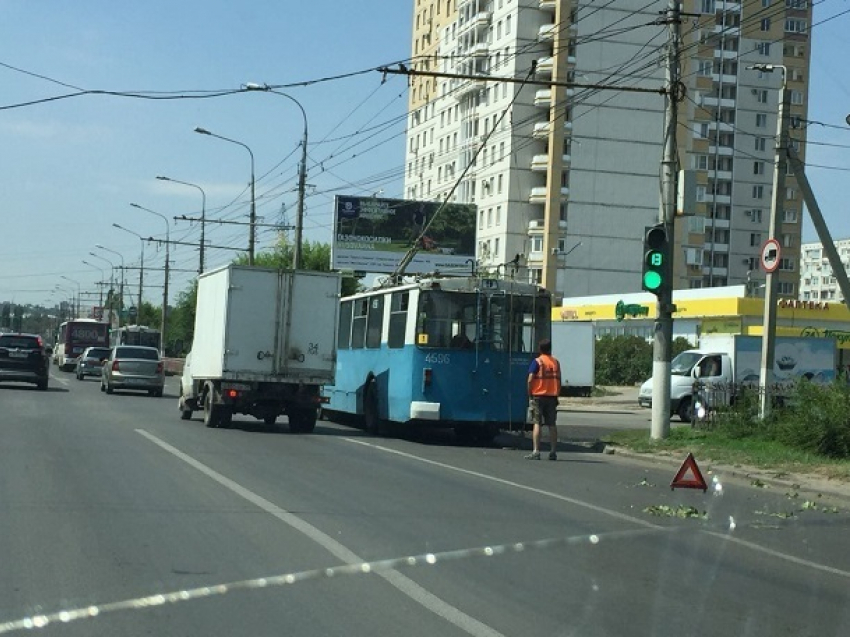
column 553, row 455
column 534, row 455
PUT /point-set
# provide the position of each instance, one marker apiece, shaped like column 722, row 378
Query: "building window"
column 536, row 244
column 481, row 220
column 707, row 6
column 789, row 216
column 758, row 192
column 794, row 25
column 701, row 162
column 705, row 67
column 761, row 120
column 797, row 97
column 754, row 215
column 498, row 216
column 763, row 48
column 761, row 96
column 755, row 239
column 496, row 249
column 791, row 193
column 785, row 288
column 758, row 167
column 761, row 143
column 765, row 24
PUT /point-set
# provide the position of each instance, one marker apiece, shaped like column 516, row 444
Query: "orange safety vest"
column 547, row 380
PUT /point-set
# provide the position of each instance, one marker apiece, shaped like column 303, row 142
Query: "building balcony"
column 461, row 88
column 543, row 98
column 705, row 100
column 717, row 223
column 537, row 226
column 481, row 49
column 721, row 126
column 541, row 162
column 717, row 247
column 711, row 198
column 728, row 7
column 545, row 66
column 726, row 55
column 539, row 194
column 716, row 271
column 548, row 5
column 724, row 78
column 541, row 129
column 481, row 20
column 720, row 175
column 725, row 151
column 546, row 32
column 730, row 31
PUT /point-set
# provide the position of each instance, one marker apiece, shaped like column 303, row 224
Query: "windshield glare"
column 684, row 363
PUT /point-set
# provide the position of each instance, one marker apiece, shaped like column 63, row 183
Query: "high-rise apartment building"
column 567, row 177
column 817, row 281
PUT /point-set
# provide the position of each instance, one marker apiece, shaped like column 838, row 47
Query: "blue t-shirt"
column 534, row 367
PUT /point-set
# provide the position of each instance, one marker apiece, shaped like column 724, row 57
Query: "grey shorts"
column 546, row 410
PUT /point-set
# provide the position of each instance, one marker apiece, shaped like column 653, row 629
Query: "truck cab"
column 711, row 369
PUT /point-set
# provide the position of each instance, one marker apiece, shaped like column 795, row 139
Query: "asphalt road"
column 155, row 526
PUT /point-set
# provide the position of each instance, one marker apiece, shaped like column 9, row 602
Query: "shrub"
column 818, row 419
column 622, row 360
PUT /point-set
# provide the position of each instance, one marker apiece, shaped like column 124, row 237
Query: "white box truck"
column 732, row 361
column 264, row 344
column 574, row 345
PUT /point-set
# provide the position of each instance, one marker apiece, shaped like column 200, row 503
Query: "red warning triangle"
column 689, row 476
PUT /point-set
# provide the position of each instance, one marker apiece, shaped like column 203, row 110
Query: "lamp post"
column 111, row 281
column 163, row 321
column 121, row 292
column 77, row 283
column 253, row 218
column 302, row 172
column 768, row 338
column 101, row 283
column 203, row 209
column 141, row 266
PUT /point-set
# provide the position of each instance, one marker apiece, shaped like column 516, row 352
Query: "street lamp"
column 302, row 171
column 141, row 266
column 770, row 295
column 100, row 283
column 121, row 293
column 203, row 211
column 165, row 287
column 253, row 218
column 111, row 281
column 77, row 283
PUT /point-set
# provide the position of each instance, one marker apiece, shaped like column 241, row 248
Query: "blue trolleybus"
column 442, row 352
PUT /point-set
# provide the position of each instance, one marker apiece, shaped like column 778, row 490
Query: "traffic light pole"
column 663, row 334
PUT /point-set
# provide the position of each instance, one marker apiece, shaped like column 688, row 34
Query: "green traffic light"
column 651, row 280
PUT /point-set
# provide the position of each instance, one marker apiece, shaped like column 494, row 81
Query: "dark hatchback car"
column 24, row 358
column 90, row 362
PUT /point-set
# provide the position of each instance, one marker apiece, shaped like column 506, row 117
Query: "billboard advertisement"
column 373, row 235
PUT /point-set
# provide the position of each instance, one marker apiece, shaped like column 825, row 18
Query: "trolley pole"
column 663, row 335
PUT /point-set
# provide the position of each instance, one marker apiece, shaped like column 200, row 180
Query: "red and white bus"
column 75, row 336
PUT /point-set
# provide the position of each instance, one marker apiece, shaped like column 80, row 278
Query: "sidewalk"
column 620, row 399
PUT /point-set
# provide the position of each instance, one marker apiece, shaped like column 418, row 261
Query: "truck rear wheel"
column 302, row 421
column 212, row 414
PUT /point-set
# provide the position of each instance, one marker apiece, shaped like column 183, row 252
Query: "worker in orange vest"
column 544, row 387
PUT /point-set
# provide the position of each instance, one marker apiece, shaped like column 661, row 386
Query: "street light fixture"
column 165, row 286
column 77, row 283
column 253, row 217
column 141, row 265
column 302, row 171
column 203, row 212
column 121, row 292
column 100, row 283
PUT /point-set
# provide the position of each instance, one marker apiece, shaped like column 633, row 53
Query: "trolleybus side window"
column 399, row 303
column 344, row 333
column 375, row 321
column 445, row 315
column 358, row 323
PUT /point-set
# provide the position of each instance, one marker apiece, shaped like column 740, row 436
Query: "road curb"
column 798, row 483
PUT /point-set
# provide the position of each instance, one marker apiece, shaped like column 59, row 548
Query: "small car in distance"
column 133, row 367
column 90, row 362
column 24, row 358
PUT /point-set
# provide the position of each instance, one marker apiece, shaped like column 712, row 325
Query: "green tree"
column 315, row 256
column 622, row 360
column 181, row 322
column 679, row 345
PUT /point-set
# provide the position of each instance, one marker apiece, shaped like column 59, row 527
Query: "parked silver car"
column 133, row 367
column 90, row 362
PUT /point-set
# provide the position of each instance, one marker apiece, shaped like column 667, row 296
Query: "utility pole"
column 768, row 337
column 663, row 335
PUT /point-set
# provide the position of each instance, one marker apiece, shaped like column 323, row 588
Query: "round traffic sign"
column 770, row 256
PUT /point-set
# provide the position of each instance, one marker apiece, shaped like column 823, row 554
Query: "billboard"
column 373, row 235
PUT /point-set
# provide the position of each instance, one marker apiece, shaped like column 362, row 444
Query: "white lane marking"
column 779, row 555
column 60, row 380
column 401, row 582
column 511, row 483
column 723, row 536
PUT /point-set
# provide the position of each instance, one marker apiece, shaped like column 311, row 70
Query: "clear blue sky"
column 70, row 168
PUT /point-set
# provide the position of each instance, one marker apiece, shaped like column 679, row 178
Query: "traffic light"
column 656, row 260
